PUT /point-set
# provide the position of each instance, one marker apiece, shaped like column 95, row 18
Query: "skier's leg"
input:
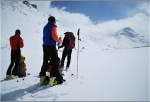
column 63, row 57
column 11, row 64
column 54, row 59
column 69, row 58
column 17, row 60
column 45, row 60
column 45, row 63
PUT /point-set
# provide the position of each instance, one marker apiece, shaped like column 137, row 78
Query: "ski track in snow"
column 25, row 91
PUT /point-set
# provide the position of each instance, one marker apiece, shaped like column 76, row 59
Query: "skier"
column 16, row 42
column 68, row 44
column 50, row 38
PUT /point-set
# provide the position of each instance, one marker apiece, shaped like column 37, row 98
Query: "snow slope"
column 114, row 75
column 108, row 70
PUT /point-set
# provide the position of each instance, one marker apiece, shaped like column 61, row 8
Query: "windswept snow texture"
column 111, row 68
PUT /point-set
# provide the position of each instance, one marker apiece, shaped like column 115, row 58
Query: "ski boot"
column 14, row 77
column 8, row 77
column 42, row 80
column 52, row 81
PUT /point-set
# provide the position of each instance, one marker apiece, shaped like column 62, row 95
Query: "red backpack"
column 71, row 38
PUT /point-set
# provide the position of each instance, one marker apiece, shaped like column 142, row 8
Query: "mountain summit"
column 127, row 31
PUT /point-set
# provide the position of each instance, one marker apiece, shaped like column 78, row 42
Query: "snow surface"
column 111, row 68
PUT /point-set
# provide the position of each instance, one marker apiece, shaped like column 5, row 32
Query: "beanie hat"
column 52, row 19
column 17, row 31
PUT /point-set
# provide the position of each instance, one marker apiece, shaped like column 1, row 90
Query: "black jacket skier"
column 67, row 51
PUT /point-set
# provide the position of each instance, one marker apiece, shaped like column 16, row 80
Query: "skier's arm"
column 10, row 41
column 54, row 35
column 63, row 43
column 21, row 43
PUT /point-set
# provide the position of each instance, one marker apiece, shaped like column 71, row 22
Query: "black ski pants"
column 66, row 52
column 15, row 59
column 50, row 53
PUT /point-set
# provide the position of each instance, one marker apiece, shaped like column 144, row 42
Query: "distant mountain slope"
column 123, row 38
column 135, row 39
column 127, row 31
column 24, row 16
column 17, row 15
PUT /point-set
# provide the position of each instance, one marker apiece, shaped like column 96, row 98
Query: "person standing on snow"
column 50, row 38
column 68, row 44
column 16, row 42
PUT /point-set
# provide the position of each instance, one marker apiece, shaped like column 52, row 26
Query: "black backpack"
column 71, row 39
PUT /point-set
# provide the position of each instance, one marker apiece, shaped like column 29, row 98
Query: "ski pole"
column 78, row 51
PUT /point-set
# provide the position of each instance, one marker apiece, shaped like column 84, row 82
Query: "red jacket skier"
column 16, row 42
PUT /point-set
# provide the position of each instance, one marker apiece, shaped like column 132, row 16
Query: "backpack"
column 22, row 67
column 71, row 39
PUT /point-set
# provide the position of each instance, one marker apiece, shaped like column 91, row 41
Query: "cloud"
column 138, row 22
column 140, row 8
column 68, row 21
column 144, row 8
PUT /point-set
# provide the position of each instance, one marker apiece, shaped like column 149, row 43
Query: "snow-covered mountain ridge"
column 16, row 15
column 30, row 20
column 127, row 31
column 124, row 38
column 132, row 35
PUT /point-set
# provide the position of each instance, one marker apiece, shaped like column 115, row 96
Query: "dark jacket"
column 66, row 42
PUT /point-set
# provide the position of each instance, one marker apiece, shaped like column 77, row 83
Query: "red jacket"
column 16, row 42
